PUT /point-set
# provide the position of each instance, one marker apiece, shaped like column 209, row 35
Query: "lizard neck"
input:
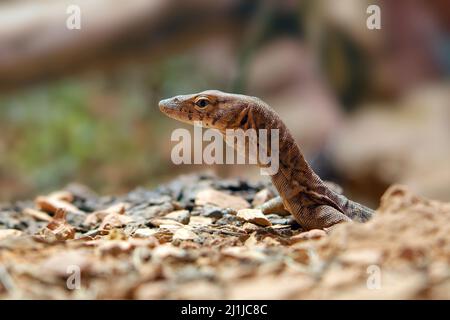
column 295, row 176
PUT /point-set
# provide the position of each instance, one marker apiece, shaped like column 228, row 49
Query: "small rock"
column 131, row 227
column 58, row 229
column 158, row 222
column 182, row 216
column 308, row 235
column 280, row 226
column 148, row 212
column 99, row 215
column 269, row 241
column 282, row 221
column 55, row 201
column 262, row 196
column 60, row 262
column 115, row 220
column 276, row 219
column 10, row 233
column 212, row 212
column 167, row 250
column 76, row 220
column 200, row 221
column 361, row 256
column 220, row 199
column 254, row 216
column 141, row 195
column 250, row 227
column 184, row 234
column 37, row 214
column 251, row 241
column 228, row 219
column 244, row 253
column 144, row 232
column 115, row 247
column 171, row 227
column 273, row 216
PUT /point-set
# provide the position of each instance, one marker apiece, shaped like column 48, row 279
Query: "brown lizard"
column 313, row 204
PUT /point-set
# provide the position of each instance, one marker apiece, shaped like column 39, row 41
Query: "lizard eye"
column 202, row 103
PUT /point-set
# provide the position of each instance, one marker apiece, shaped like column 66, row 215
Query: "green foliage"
column 56, row 132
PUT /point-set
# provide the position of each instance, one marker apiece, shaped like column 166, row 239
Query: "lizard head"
column 213, row 108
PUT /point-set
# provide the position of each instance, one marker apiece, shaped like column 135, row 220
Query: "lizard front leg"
column 274, row 205
column 319, row 217
column 309, row 217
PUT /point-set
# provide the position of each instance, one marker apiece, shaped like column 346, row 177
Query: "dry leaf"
column 57, row 200
column 58, row 229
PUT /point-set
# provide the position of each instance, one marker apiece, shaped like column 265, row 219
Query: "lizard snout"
column 168, row 104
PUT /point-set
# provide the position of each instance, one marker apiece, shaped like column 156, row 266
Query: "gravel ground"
column 200, row 237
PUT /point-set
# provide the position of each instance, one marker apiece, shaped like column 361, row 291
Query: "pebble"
column 182, row 216
column 10, row 233
column 38, row 215
column 254, row 216
column 200, row 221
column 276, row 219
column 361, row 256
column 308, row 235
column 141, row 195
column 220, row 199
column 158, row 222
column 148, row 212
column 250, row 227
column 168, row 250
column 228, row 219
column 114, row 220
column 212, row 212
column 261, row 197
column 145, row 232
column 184, row 234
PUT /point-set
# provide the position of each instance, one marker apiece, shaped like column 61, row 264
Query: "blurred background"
column 368, row 107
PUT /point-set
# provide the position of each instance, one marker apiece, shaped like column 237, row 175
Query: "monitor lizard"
column 310, row 200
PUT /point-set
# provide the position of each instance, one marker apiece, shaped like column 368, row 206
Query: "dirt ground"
column 200, row 238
